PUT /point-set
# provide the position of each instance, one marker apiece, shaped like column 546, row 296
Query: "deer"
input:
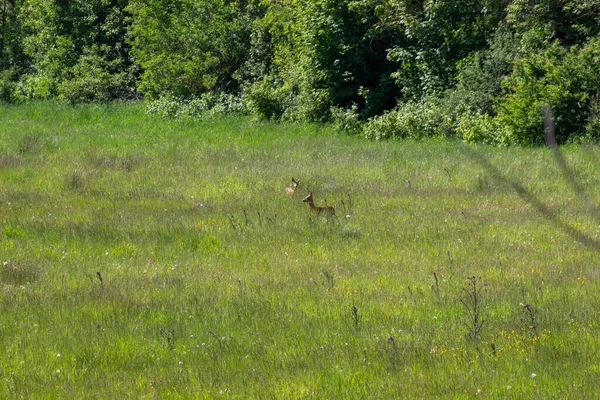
column 291, row 190
column 318, row 209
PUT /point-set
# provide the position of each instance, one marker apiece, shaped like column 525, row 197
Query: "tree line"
column 480, row 70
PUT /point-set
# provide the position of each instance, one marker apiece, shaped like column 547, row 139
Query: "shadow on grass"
column 567, row 174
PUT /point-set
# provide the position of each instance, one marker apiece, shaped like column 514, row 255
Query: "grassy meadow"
column 150, row 258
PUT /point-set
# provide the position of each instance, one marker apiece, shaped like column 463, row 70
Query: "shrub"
column 189, row 47
column 592, row 128
column 208, row 104
column 565, row 79
column 482, row 128
column 464, row 110
column 414, row 119
column 94, row 78
column 290, row 96
column 166, row 107
column 479, row 77
column 36, row 86
column 7, row 86
column 266, row 98
column 347, row 120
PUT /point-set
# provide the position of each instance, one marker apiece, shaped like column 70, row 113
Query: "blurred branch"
column 536, row 202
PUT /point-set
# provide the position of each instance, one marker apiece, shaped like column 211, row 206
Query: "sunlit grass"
column 142, row 257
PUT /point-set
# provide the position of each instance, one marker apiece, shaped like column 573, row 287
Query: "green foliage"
column 347, row 120
column 592, row 129
column 347, row 53
column 479, row 76
column 206, row 105
column 7, row 86
column 187, row 48
column 433, row 37
column 458, row 64
column 93, row 78
column 483, row 128
column 565, row 79
column 288, row 87
column 414, row 119
column 289, row 96
column 267, row 98
column 464, row 110
column 77, row 50
column 569, row 21
column 11, row 36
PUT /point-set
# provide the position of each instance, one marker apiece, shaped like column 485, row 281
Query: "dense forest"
column 479, row 70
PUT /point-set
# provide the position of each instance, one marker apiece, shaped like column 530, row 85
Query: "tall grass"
column 152, row 258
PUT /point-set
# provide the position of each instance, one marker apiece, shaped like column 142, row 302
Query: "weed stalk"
column 472, row 303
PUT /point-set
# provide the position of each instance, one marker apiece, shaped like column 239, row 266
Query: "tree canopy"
column 479, row 70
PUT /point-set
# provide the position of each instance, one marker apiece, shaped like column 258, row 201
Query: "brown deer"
column 291, row 190
column 318, row 209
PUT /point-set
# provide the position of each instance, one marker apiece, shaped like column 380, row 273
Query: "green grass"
column 217, row 284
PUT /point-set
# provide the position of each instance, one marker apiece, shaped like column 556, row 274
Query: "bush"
column 290, row 96
column 93, row 79
column 35, row 86
column 567, row 80
column 190, row 47
column 592, row 129
column 420, row 119
column 464, row 110
column 479, row 77
column 347, row 120
column 95, row 86
column 267, row 98
column 482, row 128
column 209, row 104
column 166, row 107
column 7, row 87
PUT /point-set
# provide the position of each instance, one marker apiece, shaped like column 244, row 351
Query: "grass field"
column 151, row 258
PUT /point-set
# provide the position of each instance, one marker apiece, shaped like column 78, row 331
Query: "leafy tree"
column 11, row 55
column 278, row 81
column 347, row 53
column 12, row 59
column 567, row 80
column 435, row 36
column 569, row 21
column 478, row 69
column 57, row 34
column 189, row 47
column 480, row 75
